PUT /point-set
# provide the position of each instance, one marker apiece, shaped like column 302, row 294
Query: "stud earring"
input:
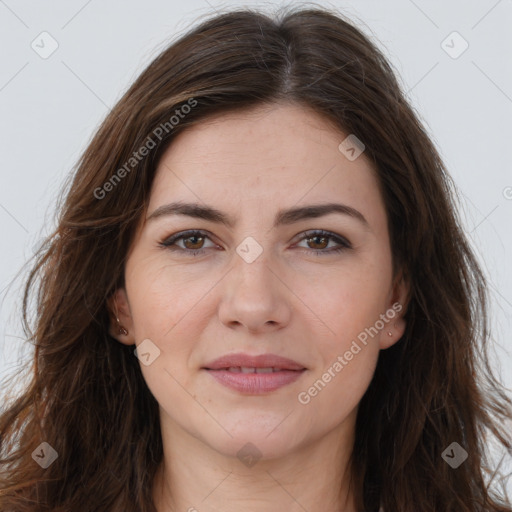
column 120, row 328
column 390, row 333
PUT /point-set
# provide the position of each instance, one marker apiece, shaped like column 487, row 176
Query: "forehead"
column 276, row 155
column 286, row 133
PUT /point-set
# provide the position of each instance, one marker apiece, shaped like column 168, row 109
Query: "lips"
column 254, row 374
column 256, row 362
column 246, row 369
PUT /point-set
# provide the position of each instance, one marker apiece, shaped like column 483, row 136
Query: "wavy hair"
column 86, row 396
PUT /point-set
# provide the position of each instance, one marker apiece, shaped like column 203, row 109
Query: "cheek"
column 164, row 296
column 349, row 309
column 159, row 308
column 334, row 394
column 347, row 346
column 346, row 299
column 164, row 305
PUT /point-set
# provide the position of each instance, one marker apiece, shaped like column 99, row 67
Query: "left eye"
column 193, row 242
column 325, row 237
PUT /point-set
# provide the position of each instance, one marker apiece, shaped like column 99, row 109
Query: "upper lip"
column 248, row 361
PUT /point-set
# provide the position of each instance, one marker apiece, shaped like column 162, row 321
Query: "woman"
column 258, row 296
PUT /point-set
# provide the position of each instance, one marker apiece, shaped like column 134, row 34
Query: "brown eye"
column 322, row 241
column 187, row 242
column 195, row 244
column 318, row 242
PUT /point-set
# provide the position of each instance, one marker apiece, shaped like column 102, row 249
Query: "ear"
column 119, row 308
column 398, row 301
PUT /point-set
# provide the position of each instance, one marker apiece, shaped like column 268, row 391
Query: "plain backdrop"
column 50, row 105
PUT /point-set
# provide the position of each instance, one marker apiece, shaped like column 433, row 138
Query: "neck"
column 193, row 477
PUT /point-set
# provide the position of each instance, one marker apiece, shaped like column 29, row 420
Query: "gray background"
column 51, row 107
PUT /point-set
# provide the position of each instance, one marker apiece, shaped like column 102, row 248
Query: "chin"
column 264, row 436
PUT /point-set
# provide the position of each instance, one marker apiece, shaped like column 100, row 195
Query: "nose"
column 255, row 297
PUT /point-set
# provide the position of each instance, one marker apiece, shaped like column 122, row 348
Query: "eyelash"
column 169, row 242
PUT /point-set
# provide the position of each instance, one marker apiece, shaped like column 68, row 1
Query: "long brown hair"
column 87, row 398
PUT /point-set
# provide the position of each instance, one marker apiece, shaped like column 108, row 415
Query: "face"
column 261, row 275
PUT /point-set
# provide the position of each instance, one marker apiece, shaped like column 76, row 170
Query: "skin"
column 290, row 301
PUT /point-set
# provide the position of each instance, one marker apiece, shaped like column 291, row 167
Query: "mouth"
column 254, row 375
column 250, row 369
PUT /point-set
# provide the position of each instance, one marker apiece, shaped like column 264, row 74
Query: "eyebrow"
column 283, row 217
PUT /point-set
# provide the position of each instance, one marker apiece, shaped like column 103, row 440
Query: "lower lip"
column 255, row 383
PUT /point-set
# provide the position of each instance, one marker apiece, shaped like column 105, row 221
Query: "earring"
column 120, row 328
column 390, row 333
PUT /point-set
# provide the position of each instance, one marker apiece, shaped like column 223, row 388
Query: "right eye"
column 197, row 237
